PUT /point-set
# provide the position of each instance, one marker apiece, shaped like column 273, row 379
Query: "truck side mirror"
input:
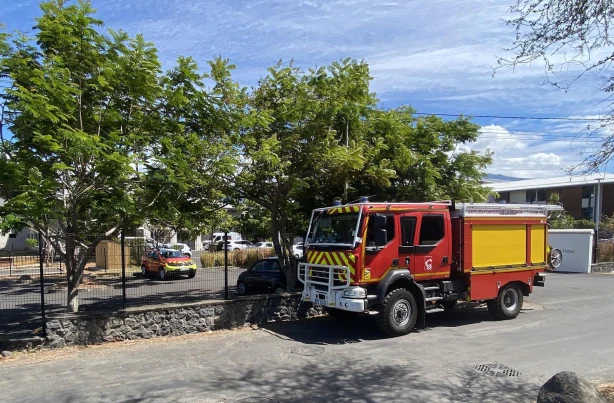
column 381, row 237
column 379, row 221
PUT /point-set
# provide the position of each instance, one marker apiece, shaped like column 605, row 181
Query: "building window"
column 587, row 213
column 530, row 196
column 431, row 229
column 504, row 197
column 542, row 195
column 587, row 192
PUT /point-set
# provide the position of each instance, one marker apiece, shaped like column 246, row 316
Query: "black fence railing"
column 35, row 284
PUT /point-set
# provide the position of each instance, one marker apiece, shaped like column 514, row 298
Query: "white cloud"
column 526, row 154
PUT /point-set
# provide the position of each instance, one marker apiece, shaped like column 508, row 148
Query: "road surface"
column 565, row 326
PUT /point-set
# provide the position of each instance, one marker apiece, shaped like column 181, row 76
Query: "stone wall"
column 86, row 328
column 602, row 267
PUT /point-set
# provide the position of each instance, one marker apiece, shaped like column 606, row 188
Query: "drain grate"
column 497, row 370
column 256, row 399
column 307, row 351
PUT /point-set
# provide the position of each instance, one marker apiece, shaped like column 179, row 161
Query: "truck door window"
column 408, row 228
column 389, row 230
column 431, row 230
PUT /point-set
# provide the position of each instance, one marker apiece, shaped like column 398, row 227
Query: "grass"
column 237, row 258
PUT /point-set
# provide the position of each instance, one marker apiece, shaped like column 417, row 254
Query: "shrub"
column 239, row 258
column 605, row 251
column 32, row 243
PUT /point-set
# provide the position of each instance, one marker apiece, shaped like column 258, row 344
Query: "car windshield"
column 333, row 229
column 170, row 253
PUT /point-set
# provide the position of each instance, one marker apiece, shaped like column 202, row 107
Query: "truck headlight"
column 356, row 292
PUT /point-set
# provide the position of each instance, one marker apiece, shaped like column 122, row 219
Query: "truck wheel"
column 339, row 314
column 508, row 303
column 398, row 313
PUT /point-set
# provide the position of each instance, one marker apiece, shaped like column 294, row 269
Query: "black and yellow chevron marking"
column 334, row 259
column 343, row 209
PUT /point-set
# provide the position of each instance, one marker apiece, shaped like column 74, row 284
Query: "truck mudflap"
column 539, row 280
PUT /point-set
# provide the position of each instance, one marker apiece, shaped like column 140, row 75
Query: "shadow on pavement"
column 326, row 330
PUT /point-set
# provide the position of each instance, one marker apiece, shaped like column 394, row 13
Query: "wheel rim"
column 162, row 273
column 401, row 312
column 241, row 288
column 143, row 270
column 510, row 299
column 556, row 257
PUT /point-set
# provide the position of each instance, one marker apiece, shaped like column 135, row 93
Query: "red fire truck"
column 401, row 261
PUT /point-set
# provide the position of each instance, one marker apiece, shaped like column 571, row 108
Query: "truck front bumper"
column 334, row 299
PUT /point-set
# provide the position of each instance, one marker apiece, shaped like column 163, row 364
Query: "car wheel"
column 143, row 270
column 241, row 288
column 297, row 257
column 162, row 274
column 278, row 289
column 192, row 274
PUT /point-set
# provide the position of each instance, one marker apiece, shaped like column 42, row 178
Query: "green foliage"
column 102, row 139
column 254, row 221
column 32, row 243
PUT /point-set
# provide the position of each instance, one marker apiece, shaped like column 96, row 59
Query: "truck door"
column 378, row 260
column 408, row 225
column 432, row 252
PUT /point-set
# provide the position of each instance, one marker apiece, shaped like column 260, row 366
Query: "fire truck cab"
column 401, row 261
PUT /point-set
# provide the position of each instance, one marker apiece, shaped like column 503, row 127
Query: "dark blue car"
column 265, row 275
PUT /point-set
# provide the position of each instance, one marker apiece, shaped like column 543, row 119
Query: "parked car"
column 237, row 245
column 183, row 248
column 217, row 239
column 297, row 251
column 166, row 262
column 265, row 275
column 268, row 245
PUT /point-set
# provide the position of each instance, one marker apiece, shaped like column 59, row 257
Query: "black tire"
column 508, row 303
column 449, row 305
column 192, row 274
column 398, row 313
column 339, row 314
column 242, row 288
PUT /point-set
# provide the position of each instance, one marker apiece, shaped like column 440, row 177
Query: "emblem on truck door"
column 428, row 263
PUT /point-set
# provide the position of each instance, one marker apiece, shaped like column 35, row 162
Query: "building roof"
column 547, row 183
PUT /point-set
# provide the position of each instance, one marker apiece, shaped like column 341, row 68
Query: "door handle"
column 444, row 260
column 406, row 261
column 395, row 262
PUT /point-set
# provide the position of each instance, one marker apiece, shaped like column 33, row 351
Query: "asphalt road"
column 565, row 326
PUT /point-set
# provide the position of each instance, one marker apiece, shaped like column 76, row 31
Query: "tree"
column 292, row 142
column 420, row 158
column 567, row 35
column 101, row 139
column 254, row 221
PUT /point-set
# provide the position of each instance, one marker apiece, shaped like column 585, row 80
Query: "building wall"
column 571, row 197
column 608, row 199
column 518, row 196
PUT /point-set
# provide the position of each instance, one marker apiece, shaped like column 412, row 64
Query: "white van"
column 217, row 237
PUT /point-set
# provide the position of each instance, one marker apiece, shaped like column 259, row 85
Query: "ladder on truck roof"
column 488, row 209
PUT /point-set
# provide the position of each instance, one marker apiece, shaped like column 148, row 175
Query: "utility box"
column 109, row 255
column 576, row 246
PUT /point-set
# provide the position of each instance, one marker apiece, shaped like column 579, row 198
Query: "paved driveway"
column 565, row 326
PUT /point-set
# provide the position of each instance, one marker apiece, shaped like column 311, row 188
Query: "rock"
column 54, row 325
column 57, row 342
column 568, row 387
column 6, row 354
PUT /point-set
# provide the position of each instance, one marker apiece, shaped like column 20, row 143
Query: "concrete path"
column 565, row 326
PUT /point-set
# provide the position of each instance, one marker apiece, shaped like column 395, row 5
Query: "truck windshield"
column 333, row 229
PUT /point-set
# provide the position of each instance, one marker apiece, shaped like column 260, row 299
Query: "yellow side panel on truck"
column 499, row 245
column 538, row 244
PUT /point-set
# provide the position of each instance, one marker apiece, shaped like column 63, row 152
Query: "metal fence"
column 117, row 274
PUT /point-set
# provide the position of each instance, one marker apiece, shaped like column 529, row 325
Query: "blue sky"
column 435, row 55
